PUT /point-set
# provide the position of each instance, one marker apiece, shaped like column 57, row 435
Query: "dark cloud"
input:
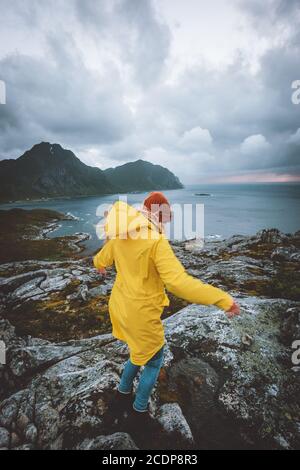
column 95, row 78
column 62, row 101
column 134, row 29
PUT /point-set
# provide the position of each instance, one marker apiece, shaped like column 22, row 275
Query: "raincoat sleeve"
column 181, row 284
column 105, row 257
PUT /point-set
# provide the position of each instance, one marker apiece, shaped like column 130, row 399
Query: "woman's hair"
column 157, row 203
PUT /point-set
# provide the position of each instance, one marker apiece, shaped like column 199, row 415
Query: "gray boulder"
column 116, row 441
column 173, row 422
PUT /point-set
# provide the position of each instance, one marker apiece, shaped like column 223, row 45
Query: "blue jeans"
column 147, row 381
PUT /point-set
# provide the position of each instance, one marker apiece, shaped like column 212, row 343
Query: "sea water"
column 228, row 209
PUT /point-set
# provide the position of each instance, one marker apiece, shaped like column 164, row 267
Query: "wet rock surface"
column 224, row 384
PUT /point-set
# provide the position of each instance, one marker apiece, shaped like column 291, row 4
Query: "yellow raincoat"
column 145, row 265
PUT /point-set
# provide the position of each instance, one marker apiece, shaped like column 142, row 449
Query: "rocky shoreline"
column 23, row 236
column 224, row 384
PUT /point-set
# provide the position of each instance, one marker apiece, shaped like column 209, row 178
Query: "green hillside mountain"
column 49, row 170
column 142, row 176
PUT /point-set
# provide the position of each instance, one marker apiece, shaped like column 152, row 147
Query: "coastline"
column 24, row 235
column 80, row 196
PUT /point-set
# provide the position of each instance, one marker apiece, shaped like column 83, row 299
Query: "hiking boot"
column 141, row 424
column 120, row 406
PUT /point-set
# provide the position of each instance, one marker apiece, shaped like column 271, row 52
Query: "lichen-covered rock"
column 56, row 301
column 4, row 437
column 290, row 326
column 290, row 253
column 229, row 394
column 271, row 236
column 117, row 441
column 238, row 382
column 173, row 422
column 224, row 384
column 31, row 434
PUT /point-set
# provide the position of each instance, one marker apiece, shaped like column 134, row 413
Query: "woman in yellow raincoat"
column 146, row 264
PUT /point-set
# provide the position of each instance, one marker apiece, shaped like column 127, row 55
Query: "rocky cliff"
column 224, row 384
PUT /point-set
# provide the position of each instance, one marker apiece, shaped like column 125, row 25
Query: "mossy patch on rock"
column 58, row 319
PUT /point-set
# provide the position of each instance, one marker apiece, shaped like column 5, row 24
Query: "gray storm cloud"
column 95, row 77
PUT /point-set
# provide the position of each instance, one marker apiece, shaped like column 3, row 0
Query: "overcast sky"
column 202, row 87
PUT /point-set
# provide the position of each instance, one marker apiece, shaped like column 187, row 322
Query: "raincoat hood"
column 125, row 221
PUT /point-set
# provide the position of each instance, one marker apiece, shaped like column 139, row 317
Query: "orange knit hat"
column 156, row 199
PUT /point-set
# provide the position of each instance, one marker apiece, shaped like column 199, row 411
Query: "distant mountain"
column 48, row 170
column 142, row 176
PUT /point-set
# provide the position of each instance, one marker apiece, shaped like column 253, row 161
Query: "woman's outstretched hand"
column 234, row 310
column 102, row 271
